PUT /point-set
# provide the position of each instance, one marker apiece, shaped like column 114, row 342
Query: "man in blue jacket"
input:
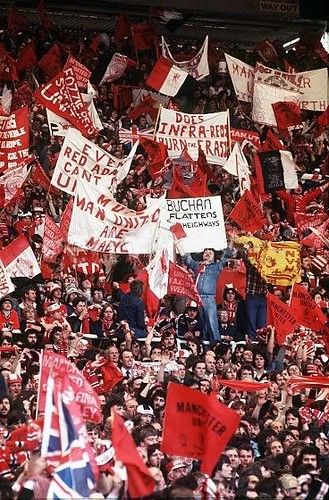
column 132, row 309
column 207, row 273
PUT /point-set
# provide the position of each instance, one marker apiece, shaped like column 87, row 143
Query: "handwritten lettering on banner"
column 202, row 220
column 242, row 76
column 101, row 224
column 81, row 158
column 311, row 85
column 197, row 66
column 206, row 131
column 14, row 138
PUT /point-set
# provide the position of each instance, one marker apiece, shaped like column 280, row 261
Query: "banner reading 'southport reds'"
column 101, row 224
column 183, row 130
column 14, row 138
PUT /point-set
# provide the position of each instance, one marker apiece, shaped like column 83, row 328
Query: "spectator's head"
column 137, row 288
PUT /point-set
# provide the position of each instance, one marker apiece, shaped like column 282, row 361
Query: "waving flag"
column 169, row 79
column 65, row 444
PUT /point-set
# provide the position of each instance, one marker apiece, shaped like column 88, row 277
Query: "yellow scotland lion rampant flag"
column 278, row 262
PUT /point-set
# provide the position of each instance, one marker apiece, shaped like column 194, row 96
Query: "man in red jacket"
column 298, row 202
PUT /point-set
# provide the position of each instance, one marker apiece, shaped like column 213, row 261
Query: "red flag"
column 52, row 240
column 51, row 62
column 180, row 282
column 281, row 317
column 82, row 74
column 26, row 57
column 203, row 164
column 111, row 375
column 85, row 396
column 66, row 219
column 197, row 426
column 47, row 24
column 287, row 114
column 143, row 35
column 140, row 480
column 178, row 231
column 16, row 21
column 14, row 132
column 147, row 106
column 235, row 276
column 266, row 51
column 288, row 68
column 62, row 96
column 187, row 188
column 247, row 213
column 298, row 383
column 158, row 153
column 8, row 71
column 151, row 301
column 243, row 385
column 272, row 143
column 303, row 307
column 122, row 30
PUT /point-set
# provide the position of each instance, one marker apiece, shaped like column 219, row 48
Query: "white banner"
column 6, row 285
column 101, row 224
column 197, row 67
column 202, row 220
column 266, row 95
column 242, row 76
column 209, row 132
column 312, row 85
column 238, row 166
column 115, row 69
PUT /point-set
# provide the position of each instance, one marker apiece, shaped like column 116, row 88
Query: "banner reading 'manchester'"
column 206, row 131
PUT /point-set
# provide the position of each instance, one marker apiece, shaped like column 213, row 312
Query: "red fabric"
column 122, row 30
column 180, row 188
column 305, row 310
column 16, row 21
column 66, row 219
column 197, row 426
column 287, row 114
column 157, row 152
column 297, row 383
column 247, row 213
column 243, row 385
column 147, row 106
column 111, row 375
column 297, row 203
column 180, row 282
column 143, row 35
column 266, row 51
column 140, row 481
column 26, row 57
column 11, row 321
column 8, row 71
column 47, row 24
column 51, row 63
column 280, row 316
column 52, row 240
column 150, row 300
column 272, row 142
column 235, row 276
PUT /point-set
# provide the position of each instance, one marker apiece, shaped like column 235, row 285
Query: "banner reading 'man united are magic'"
column 192, row 131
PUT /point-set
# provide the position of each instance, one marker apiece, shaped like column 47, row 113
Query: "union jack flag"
column 65, row 444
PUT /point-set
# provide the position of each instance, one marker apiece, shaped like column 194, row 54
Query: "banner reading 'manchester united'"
column 193, row 131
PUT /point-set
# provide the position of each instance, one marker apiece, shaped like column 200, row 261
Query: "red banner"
column 247, row 213
column 180, row 282
column 197, row 426
column 305, row 221
column 66, row 219
column 52, row 240
column 62, row 96
column 303, row 307
column 82, row 74
column 239, row 135
column 60, row 367
column 280, row 316
column 14, row 138
column 51, row 62
column 242, row 385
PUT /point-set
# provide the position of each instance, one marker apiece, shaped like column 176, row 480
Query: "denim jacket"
column 207, row 280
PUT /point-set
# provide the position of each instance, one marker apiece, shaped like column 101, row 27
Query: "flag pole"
column 157, row 122
column 229, row 133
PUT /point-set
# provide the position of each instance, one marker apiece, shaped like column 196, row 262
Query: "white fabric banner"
column 266, row 95
column 238, row 166
column 202, row 220
column 19, row 260
column 208, row 131
column 289, row 170
column 312, row 85
column 115, row 69
column 242, row 76
column 197, row 67
column 101, row 224
column 6, row 285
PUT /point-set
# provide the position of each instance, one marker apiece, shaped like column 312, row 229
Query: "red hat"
column 13, row 378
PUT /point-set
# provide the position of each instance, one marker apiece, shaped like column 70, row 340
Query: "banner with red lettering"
column 52, row 244
column 306, row 221
column 242, row 76
column 6, row 285
column 60, row 367
column 180, row 282
column 62, row 96
column 280, row 315
column 193, row 131
column 264, row 96
column 82, row 74
column 197, row 67
column 197, row 426
column 14, row 138
column 303, row 307
column 11, row 182
column 81, row 158
column 101, row 224
column 247, row 213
